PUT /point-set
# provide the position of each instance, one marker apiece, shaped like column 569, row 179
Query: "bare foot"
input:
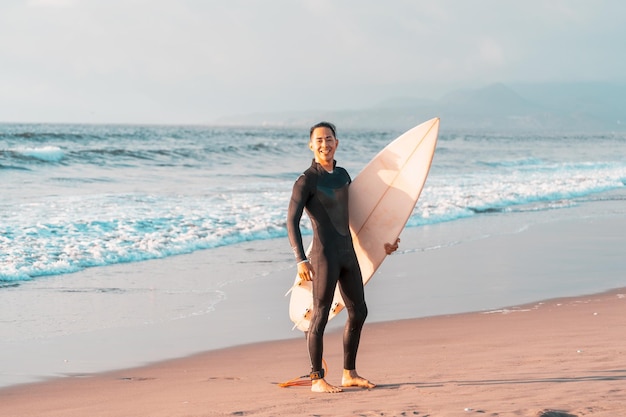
column 352, row 379
column 320, row 385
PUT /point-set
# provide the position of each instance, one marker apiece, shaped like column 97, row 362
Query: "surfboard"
column 381, row 200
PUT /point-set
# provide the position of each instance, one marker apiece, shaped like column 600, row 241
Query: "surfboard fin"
column 304, row 316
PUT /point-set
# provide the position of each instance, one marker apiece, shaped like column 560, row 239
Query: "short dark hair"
column 323, row 124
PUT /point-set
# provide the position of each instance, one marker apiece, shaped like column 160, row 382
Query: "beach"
column 483, row 327
column 170, row 174
column 124, row 293
column 564, row 356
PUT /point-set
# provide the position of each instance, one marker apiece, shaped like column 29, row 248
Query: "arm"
column 299, row 197
column 294, row 214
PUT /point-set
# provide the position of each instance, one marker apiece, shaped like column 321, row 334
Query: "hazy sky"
column 190, row 61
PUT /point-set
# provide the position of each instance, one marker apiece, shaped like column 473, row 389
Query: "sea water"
column 84, row 196
column 96, row 198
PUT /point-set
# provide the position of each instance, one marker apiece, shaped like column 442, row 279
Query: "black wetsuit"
column 324, row 195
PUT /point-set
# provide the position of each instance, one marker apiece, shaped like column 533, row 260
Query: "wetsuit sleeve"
column 299, row 197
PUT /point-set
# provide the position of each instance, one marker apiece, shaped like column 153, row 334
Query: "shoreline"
column 487, row 263
column 564, row 355
column 492, row 262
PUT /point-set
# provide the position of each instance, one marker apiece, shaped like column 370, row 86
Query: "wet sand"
column 565, row 356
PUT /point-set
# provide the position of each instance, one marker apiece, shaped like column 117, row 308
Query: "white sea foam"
column 44, row 153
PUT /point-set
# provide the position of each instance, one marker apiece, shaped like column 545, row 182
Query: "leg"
column 315, row 335
column 323, row 292
column 351, row 287
column 352, row 333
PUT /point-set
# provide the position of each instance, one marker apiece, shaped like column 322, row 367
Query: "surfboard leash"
column 305, row 380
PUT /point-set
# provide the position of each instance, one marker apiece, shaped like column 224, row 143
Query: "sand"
column 561, row 357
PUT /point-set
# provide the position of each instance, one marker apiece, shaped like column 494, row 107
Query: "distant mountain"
column 580, row 104
column 494, row 106
column 560, row 107
column 495, row 99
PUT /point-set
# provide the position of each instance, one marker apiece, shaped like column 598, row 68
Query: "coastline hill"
column 579, row 107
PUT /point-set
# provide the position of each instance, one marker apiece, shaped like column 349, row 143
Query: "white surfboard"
column 381, row 199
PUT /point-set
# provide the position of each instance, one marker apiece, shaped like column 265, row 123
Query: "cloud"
column 194, row 60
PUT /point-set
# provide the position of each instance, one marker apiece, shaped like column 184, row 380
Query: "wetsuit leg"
column 351, row 287
column 324, row 283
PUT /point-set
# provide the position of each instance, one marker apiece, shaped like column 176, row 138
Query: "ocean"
column 85, row 196
column 84, row 205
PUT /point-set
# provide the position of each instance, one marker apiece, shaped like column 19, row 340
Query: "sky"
column 193, row 61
